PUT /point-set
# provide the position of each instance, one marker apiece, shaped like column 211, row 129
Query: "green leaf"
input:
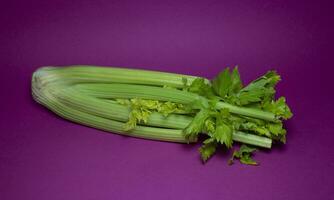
column 259, row 89
column 141, row 109
column 167, row 108
column 197, row 124
column 246, row 159
column 201, row 87
column 249, row 96
column 276, row 128
column 197, row 85
column 136, row 115
column 223, row 133
column 227, row 85
column 200, row 103
column 259, row 129
column 269, row 80
column 131, row 123
column 272, row 78
column 278, row 132
column 207, row 149
column 273, row 130
column 236, row 121
column 209, row 126
column 222, row 83
column 279, row 108
column 244, row 155
column 145, row 104
column 236, row 81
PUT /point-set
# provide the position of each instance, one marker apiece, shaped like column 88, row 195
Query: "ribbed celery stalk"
column 91, row 74
column 46, row 98
column 85, row 103
column 94, row 74
column 167, row 106
column 74, row 93
column 162, row 94
column 127, row 91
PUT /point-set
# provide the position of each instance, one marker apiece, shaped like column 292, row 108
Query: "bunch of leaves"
column 219, row 125
column 216, row 125
column 220, row 133
column 141, row 110
column 259, row 93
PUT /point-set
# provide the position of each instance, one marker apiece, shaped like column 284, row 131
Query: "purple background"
column 45, row 157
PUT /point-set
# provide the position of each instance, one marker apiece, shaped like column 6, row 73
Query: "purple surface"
column 45, row 157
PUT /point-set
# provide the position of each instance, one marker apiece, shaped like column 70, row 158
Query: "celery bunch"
column 168, row 107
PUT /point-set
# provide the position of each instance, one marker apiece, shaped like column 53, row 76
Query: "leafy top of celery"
column 219, row 124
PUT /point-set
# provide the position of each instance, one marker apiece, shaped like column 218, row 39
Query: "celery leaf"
column 222, row 83
column 236, row 81
column 224, row 129
column 208, row 149
column 279, row 108
column 244, row 155
column 199, row 86
column 258, row 90
column 197, row 124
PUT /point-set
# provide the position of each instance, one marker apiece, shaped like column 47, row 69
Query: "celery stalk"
column 94, row 74
column 67, row 112
column 113, row 111
column 110, row 91
column 72, row 93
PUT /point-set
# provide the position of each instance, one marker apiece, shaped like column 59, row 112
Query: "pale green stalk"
column 67, row 112
column 119, row 112
column 127, row 91
column 56, row 89
column 94, row 74
column 85, row 103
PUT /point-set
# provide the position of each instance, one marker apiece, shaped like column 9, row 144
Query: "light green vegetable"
column 166, row 106
column 244, row 155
